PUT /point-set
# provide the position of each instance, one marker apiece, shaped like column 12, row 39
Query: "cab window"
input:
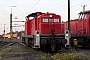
column 45, row 20
column 82, row 16
column 56, row 20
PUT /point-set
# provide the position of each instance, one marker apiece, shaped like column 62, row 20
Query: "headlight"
column 37, row 35
column 66, row 35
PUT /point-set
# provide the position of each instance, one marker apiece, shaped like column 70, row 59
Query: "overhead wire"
column 43, row 7
column 26, row 9
column 40, row 8
column 58, row 6
column 51, row 5
column 54, row 5
column 46, row 6
column 75, row 5
column 80, row 3
column 66, row 8
column 33, row 6
column 30, row 8
column 3, row 10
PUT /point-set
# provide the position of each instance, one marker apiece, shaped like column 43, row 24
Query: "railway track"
column 17, row 51
column 10, row 43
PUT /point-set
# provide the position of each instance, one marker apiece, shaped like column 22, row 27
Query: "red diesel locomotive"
column 80, row 29
column 43, row 30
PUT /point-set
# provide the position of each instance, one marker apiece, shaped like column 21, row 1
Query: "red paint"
column 79, row 26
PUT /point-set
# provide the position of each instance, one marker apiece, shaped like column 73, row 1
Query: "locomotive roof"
column 85, row 12
column 33, row 14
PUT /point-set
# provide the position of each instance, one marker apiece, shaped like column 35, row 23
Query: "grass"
column 6, row 51
column 68, row 56
column 71, row 54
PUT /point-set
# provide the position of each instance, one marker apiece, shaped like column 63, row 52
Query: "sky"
column 25, row 7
